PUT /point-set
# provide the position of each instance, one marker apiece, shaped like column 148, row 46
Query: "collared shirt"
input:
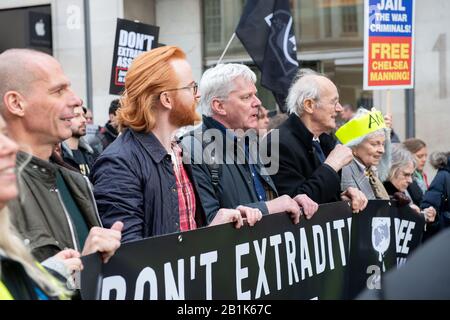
column 186, row 195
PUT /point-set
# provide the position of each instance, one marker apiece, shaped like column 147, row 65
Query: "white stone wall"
column 432, row 110
column 104, row 14
column 180, row 25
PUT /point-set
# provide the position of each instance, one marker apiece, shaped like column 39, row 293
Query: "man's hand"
column 339, row 157
column 358, row 199
column 226, row 216
column 285, row 204
column 252, row 215
column 71, row 260
column 429, row 214
column 309, row 207
column 105, row 241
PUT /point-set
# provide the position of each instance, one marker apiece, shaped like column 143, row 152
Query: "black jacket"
column 300, row 172
column 107, row 135
column 134, row 182
column 88, row 153
column 235, row 185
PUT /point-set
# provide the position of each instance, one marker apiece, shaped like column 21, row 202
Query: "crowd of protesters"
column 64, row 195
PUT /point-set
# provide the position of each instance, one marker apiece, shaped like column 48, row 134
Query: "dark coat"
column 416, row 193
column 134, row 182
column 88, row 153
column 107, row 135
column 300, row 172
column 41, row 218
column 235, row 185
column 437, row 197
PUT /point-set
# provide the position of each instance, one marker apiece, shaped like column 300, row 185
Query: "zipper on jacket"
column 75, row 242
column 91, row 193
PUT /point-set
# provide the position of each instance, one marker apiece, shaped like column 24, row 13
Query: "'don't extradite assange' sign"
column 132, row 38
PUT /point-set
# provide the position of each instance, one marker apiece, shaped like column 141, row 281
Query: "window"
column 213, row 22
column 349, row 20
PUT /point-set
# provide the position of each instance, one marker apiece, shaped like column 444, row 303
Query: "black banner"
column 132, row 38
column 266, row 29
column 334, row 255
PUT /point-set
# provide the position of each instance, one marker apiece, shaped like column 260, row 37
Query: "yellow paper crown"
column 361, row 127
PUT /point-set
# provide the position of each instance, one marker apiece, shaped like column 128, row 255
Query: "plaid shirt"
column 186, row 195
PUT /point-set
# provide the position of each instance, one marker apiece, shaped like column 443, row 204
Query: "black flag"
column 266, row 30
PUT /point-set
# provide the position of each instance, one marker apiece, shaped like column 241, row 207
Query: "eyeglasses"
column 193, row 86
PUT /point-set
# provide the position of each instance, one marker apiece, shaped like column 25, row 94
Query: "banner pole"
column 226, row 48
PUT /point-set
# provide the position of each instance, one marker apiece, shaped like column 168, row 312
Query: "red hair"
column 149, row 74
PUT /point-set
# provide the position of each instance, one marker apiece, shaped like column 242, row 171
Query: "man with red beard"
column 140, row 178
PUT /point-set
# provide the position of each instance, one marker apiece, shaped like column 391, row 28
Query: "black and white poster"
column 334, row 255
column 132, row 38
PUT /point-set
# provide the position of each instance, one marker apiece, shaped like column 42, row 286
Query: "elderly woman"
column 400, row 177
column 366, row 134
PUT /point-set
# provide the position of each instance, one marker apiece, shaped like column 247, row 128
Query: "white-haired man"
column 309, row 159
column 236, row 176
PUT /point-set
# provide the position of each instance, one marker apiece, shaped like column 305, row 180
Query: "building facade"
column 329, row 39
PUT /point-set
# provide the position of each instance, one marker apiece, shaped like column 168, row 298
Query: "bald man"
column 56, row 209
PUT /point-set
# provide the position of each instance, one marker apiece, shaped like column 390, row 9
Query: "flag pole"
column 226, row 48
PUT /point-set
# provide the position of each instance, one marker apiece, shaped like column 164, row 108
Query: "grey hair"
column 385, row 162
column 401, row 157
column 218, row 82
column 439, row 160
column 304, row 86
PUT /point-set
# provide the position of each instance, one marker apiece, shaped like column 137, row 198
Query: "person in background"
column 390, row 125
column 277, row 120
column 400, row 177
column 75, row 150
column 110, row 131
column 348, row 112
column 371, row 153
column 263, row 121
column 438, row 193
column 88, row 116
column 420, row 183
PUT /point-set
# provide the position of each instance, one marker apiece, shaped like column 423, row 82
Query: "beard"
column 182, row 116
column 79, row 133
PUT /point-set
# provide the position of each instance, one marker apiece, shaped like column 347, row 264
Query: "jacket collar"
column 82, row 145
column 38, row 168
column 298, row 129
column 151, row 144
